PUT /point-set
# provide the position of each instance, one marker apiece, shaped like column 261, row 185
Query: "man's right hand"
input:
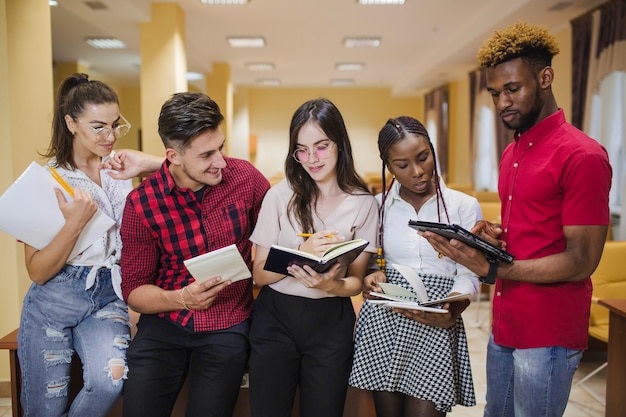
column 489, row 232
column 201, row 295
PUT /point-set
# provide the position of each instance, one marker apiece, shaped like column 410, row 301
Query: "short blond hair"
column 519, row 40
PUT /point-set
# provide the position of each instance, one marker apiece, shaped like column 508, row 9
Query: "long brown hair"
column 305, row 191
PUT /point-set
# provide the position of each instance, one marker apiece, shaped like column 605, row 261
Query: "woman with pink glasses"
column 302, row 324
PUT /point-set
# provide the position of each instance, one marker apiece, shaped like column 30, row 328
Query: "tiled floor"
column 581, row 403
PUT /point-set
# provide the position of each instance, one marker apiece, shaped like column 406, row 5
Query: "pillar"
column 26, row 99
column 163, row 68
column 219, row 87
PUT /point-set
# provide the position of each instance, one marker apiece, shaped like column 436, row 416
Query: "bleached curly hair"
column 520, row 40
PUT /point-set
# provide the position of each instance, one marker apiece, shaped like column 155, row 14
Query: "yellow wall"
column 364, row 111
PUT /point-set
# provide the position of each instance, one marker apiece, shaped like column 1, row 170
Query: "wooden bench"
column 358, row 403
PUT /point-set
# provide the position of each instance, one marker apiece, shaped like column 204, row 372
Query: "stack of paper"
column 29, row 211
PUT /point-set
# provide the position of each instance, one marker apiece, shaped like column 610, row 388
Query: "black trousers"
column 162, row 354
column 303, row 342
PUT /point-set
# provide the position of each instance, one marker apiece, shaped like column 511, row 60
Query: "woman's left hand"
column 326, row 281
column 442, row 320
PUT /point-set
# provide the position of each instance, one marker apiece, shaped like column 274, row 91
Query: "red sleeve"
column 586, row 191
column 140, row 251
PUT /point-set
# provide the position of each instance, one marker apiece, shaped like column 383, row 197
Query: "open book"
column 29, row 211
column 225, row 262
column 279, row 257
column 399, row 297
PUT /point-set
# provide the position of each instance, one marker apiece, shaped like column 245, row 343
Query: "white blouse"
column 110, row 198
column 402, row 244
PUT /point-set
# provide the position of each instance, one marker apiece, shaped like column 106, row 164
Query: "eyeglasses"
column 321, row 151
column 103, row 132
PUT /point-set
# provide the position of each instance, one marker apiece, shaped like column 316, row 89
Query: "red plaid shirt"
column 163, row 225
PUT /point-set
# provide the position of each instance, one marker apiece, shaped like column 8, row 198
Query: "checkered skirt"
column 397, row 354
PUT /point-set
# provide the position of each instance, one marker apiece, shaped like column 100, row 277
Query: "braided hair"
column 394, row 131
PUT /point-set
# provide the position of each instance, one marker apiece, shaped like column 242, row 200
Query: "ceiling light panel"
column 246, row 41
column 228, row 2
column 380, row 2
column 260, row 66
column 338, row 82
column 268, row 81
column 105, row 43
column 349, row 66
column 353, row 42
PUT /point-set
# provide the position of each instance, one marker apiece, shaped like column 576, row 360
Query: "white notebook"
column 225, row 262
column 29, row 211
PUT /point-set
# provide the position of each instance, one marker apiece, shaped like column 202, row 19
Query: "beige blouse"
column 355, row 218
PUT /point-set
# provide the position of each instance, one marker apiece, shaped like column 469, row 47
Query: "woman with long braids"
column 303, row 323
column 416, row 363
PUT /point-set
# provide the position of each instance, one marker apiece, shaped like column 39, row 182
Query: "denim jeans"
column 529, row 382
column 59, row 318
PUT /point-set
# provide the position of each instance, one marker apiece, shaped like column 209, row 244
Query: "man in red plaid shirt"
column 198, row 201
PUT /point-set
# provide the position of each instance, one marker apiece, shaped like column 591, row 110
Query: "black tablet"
column 454, row 231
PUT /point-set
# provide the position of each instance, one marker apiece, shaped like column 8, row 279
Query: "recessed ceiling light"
column 260, row 66
column 194, row 76
column 361, row 42
column 349, row 66
column 268, row 81
column 105, row 43
column 53, row 3
column 377, row 2
column 246, row 41
column 224, row 1
column 341, row 81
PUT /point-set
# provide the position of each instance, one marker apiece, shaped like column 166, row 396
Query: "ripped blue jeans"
column 61, row 318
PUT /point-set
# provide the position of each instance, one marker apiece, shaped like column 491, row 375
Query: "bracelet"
column 182, row 299
column 490, row 278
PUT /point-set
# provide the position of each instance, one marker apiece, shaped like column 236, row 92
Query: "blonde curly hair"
column 519, row 40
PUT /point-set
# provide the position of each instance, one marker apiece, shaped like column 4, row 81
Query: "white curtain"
column 485, row 149
column 607, row 124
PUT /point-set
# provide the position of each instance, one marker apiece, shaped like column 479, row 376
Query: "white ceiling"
column 425, row 43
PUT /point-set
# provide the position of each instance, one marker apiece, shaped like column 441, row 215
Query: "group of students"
column 299, row 333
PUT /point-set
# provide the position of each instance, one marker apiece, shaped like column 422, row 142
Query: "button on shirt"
column 163, row 225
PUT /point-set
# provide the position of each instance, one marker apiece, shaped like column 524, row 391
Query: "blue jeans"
column 60, row 318
column 529, row 382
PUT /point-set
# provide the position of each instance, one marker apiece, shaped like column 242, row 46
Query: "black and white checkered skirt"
column 397, row 354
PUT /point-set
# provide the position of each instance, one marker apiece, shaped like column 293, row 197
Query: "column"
column 163, row 68
column 219, row 88
column 25, row 116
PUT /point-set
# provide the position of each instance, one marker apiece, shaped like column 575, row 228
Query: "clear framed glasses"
column 321, row 151
column 103, row 132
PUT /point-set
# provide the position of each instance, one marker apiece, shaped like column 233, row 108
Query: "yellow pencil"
column 61, row 181
column 310, row 234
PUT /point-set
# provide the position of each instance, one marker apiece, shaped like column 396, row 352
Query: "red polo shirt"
column 552, row 176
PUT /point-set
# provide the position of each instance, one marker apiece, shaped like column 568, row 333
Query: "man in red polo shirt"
column 554, row 186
